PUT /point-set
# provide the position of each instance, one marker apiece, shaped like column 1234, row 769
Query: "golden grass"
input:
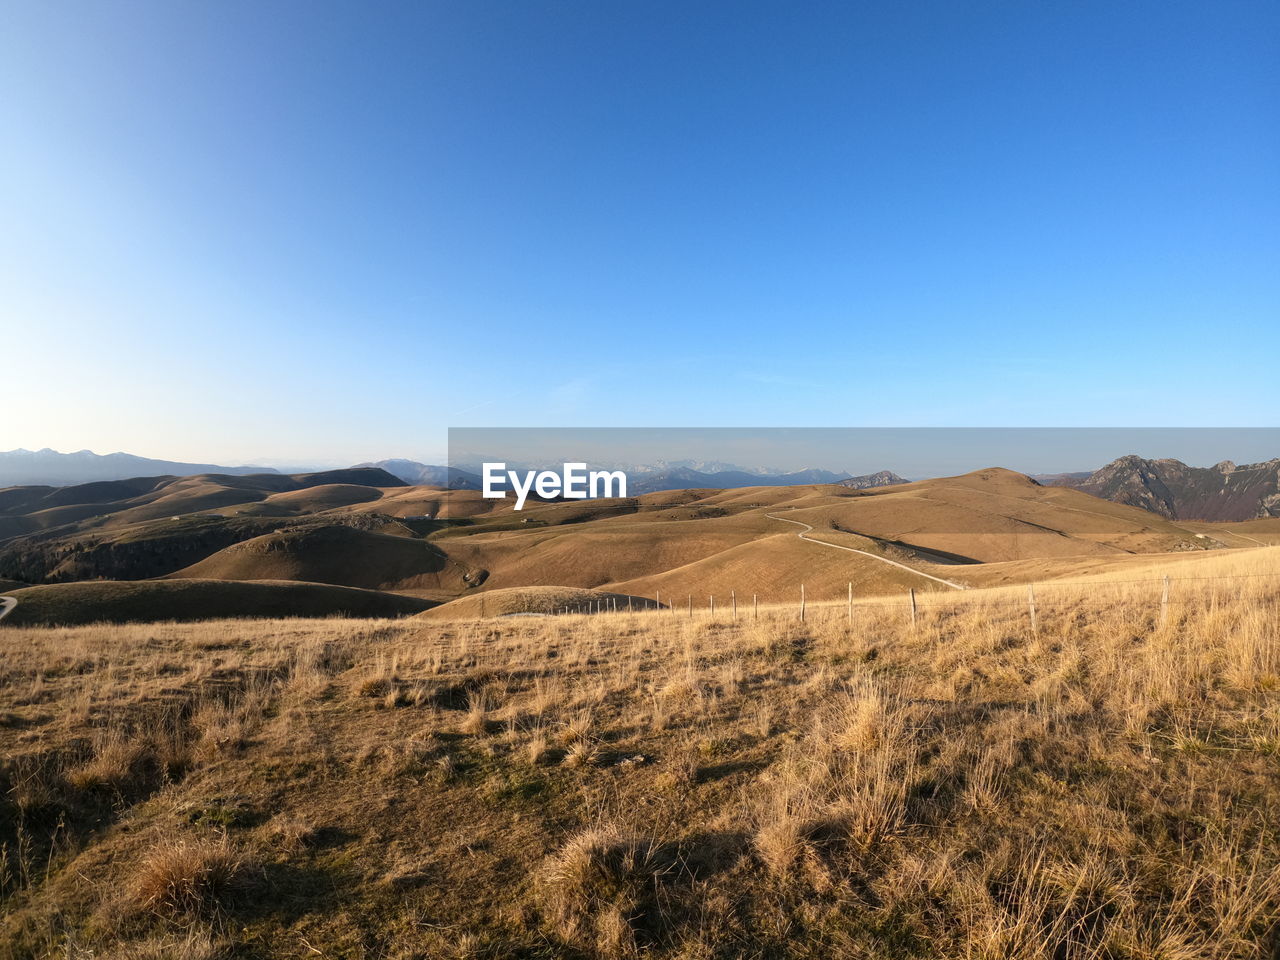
column 188, row 877
column 1102, row 786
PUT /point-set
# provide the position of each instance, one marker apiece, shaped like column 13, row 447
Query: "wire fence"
column 734, row 607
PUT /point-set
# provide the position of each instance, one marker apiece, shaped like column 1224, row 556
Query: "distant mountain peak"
column 869, row 481
column 1224, row 492
column 49, row 468
column 426, row 474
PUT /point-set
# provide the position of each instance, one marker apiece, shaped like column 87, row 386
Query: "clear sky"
column 290, row 232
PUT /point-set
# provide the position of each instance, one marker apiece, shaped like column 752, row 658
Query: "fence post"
column 733, row 602
column 712, row 605
column 657, row 599
column 1164, row 602
column 691, row 606
column 851, row 603
column 755, row 608
column 912, row 592
column 1031, row 605
column 802, row 603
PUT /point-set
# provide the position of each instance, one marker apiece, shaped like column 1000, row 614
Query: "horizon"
column 304, row 233
column 911, row 453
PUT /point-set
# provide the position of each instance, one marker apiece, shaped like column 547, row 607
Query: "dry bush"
column 602, row 889
column 476, row 721
column 581, row 754
column 538, row 749
column 194, row 877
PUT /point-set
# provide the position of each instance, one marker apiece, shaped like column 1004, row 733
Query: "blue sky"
column 314, row 232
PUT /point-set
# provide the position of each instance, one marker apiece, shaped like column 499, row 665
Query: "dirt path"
column 835, row 546
column 6, row 604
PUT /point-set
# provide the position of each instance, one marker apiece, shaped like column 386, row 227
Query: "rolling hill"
column 365, row 528
column 69, row 604
column 710, row 542
column 338, row 555
column 31, row 509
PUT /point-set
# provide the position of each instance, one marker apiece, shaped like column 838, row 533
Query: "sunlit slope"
column 123, row 502
column 991, row 526
column 711, row 542
column 292, row 503
column 998, row 515
column 773, row 568
column 335, row 554
column 1248, row 533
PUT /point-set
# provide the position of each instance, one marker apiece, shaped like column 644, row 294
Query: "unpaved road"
column 6, row 604
column 835, row 546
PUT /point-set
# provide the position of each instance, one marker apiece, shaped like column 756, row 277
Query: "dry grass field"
column 1103, row 786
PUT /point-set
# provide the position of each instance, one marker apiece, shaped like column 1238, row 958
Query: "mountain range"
column 1223, row 492
column 686, row 478
column 53, row 469
column 427, row 474
column 642, row 479
column 1167, row 487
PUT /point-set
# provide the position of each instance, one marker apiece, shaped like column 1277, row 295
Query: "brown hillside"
column 292, row 503
column 711, row 542
column 988, row 526
column 335, row 554
column 146, row 601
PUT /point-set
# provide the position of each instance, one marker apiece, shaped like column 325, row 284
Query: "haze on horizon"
column 314, row 233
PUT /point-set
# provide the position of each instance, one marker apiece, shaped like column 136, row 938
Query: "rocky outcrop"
column 1224, row 492
column 884, row 478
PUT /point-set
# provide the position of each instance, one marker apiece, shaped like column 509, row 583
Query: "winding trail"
column 835, row 546
column 6, row 604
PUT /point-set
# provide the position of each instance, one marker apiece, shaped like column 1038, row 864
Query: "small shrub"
column 603, row 886
column 189, row 877
column 581, row 754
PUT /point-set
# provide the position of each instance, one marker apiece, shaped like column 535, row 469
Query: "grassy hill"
column 712, row 542
column 67, row 604
column 120, row 502
column 1103, row 785
column 335, row 554
column 987, row 527
column 328, row 496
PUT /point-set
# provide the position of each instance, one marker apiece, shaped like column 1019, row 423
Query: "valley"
column 366, row 529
